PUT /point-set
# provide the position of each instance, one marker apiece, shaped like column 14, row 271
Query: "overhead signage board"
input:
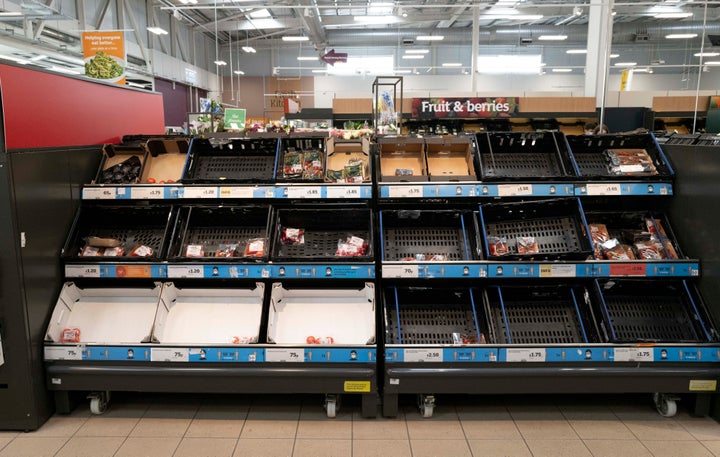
column 104, row 55
column 464, row 108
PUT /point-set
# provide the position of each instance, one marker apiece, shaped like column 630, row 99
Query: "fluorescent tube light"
column 626, row 64
column 249, row 49
column 562, row 70
column 404, row 72
column 220, row 62
column 295, row 38
column 377, row 19
column 680, row 36
column 614, row 56
column 452, row 64
column 319, row 71
column 576, row 51
column 307, row 58
column 239, row 72
column 417, row 51
column 552, row 37
column 413, row 56
column 430, row 37
column 512, row 17
column 157, row 30
column 707, row 54
column 677, row 15
column 11, row 14
column 712, row 62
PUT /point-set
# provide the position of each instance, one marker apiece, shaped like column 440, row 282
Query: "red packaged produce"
column 142, row 251
column 70, row 335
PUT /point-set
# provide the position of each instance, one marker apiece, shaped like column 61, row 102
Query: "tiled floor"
column 139, row 425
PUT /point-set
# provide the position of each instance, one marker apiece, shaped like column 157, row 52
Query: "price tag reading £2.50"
column 423, row 355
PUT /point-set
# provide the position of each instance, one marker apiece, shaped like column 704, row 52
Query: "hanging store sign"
column 234, row 119
column 104, row 56
column 465, row 108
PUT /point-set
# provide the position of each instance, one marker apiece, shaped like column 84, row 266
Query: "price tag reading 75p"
column 284, row 355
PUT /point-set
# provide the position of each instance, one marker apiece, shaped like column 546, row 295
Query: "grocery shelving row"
column 528, row 233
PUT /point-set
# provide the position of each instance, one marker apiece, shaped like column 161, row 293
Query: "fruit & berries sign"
column 466, row 108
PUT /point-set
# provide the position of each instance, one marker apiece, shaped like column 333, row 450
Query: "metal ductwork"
column 623, row 33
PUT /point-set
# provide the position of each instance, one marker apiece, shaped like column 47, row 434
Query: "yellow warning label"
column 703, row 385
column 546, row 271
column 357, row 386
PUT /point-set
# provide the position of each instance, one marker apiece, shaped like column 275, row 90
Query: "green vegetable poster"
column 104, row 55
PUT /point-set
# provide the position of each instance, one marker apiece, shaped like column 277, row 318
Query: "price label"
column 304, row 192
column 604, row 189
column 525, row 355
column 343, row 192
column 237, row 192
column 146, row 193
column 193, row 271
column 634, row 355
column 509, row 190
column 423, row 355
column 557, row 271
column 405, row 191
column 63, row 353
column 82, row 271
column 400, row 271
column 284, row 355
column 628, row 269
column 99, row 193
column 169, row 355
column 200, row 192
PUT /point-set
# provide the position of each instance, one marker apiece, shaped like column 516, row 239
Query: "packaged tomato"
column 527, row 245
column 292, row 236
column 70, row 335
column 91, row 251
column 498, row 246
column 113, row 252
column 648, row 250
column 194, row 250
column 255, row 247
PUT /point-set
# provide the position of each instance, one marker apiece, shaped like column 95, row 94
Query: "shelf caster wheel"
column 665, row 404
column 426, row 404
column 99, row 402
column 332, row 405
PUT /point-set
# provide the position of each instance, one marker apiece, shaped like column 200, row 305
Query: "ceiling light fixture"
column 417, row 51
column 319, row 71
column 220, row 63
column 157, row 30
column 249, row 49
column 626, row 64
column 712, row 62
column 404, row 72
column 576, row 51
column 707, row 54
column 239, row 72
column 430, row 37
column 681, row 36
column 10, row 14
column 260, row 14
column 552, row 37
column 562, row 70
column 307, row 58
column 295, row 38
column 377, row 19
column 413, row 56
column 614, row 56
column 452, row 64
column 672, row 15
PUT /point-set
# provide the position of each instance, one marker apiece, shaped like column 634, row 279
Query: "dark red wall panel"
column 176, row 99
column 46, row 110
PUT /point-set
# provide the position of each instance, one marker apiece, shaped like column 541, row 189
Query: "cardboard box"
column 166, row 160
column 450, row 159
column 402, row 153
column 341, row 152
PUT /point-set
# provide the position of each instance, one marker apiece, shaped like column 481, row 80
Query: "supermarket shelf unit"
column 460, row 319
column 201, row 314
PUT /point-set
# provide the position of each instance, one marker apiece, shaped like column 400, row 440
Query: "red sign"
column 331, row 57
column 467, row 108
column 628, row 269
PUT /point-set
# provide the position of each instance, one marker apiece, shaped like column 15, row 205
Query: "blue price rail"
column 326, row 271
column 433, row 270
column 222, row 271
column 623, row 189
column 115, row 271
column 173, row 192
column 564, row 354
column 321, row 354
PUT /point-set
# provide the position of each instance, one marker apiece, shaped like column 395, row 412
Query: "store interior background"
column 181, row 63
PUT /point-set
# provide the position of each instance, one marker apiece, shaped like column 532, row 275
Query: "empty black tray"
column 235, row 160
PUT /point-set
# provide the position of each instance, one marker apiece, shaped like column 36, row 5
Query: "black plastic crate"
column 221, row 233
column 678, row 138
column 425, row 235
column 231, row 160
column 539, row 315
column 131, row 226
column 668, row 311
column 708, row 139
column 305, row 146
column 647, row 234
column 591, row 156
column 557, row 226
column 437, row 316
column 323, row 231
column 507, row 156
